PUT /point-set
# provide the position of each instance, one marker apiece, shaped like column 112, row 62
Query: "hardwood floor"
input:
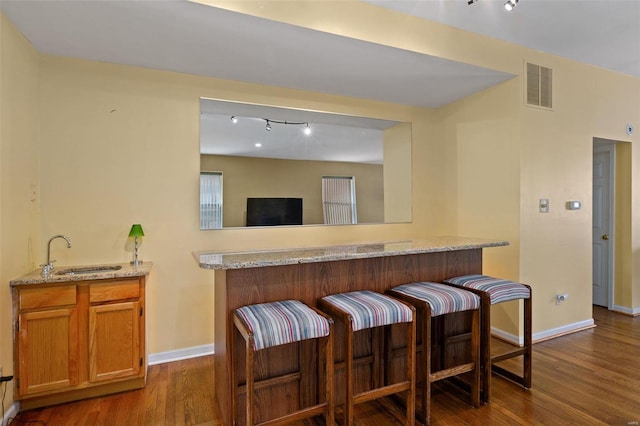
column 586, row 378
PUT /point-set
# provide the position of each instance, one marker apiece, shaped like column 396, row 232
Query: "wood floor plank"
column 586, row 378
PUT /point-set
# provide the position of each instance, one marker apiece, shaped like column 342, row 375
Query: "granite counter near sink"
column 127, row 270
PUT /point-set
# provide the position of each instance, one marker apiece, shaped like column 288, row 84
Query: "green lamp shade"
column 136, row 231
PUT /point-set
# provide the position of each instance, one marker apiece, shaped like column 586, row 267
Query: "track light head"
column 268, row 127
column 510, row 4
column 234, row 119
column 307, row 129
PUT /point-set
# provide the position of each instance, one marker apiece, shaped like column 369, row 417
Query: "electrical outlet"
column 4, row 378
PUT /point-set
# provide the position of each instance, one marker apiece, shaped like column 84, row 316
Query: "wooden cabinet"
column 48, row 343
column 114, row 345
column 78, row 339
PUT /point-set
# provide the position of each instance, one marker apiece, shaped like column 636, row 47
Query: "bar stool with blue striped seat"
column 267, row 325
column 492, row 291
column 361, row 310
column 433, row 300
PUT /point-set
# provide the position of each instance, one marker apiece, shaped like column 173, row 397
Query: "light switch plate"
column 544, row 205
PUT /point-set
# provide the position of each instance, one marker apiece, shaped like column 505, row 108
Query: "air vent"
column 539, row 85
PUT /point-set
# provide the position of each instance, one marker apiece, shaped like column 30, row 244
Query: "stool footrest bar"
column 507, row 355
column 450, row 372
column 380, row 392
column 315, row 410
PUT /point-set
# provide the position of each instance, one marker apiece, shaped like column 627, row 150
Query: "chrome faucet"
column 48, row 267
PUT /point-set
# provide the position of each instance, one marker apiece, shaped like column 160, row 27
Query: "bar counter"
column 308, row 274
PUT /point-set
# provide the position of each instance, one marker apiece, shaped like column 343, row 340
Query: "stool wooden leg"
column 249, row 381
column 388, row 354
column 329, row 389
column 485, row 347
column 528, row 344
column 476, row 358
column 410, row 416
column 378, row 345
column 232, row 376
column 426, row 357
column 348, row 408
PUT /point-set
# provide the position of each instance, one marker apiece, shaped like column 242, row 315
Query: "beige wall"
column 19, row 182
column 118, row 145
column 122, row 147
column 397, row 173
column 623, row 268
column 245, row 177
column 557, row 165
column 483, row 157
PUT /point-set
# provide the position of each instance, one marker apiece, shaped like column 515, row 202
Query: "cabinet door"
column 48, row 350
column 114, row 341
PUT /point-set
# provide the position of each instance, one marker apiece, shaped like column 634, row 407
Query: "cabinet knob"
column 605, row 237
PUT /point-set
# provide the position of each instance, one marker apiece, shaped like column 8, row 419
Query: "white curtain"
column 339, row 200
column 210, row 200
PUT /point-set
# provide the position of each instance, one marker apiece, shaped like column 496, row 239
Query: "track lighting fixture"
column 510, row 4
column 307, row 129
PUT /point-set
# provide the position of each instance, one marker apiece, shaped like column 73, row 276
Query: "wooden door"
column 48, row 350
column 114, row 341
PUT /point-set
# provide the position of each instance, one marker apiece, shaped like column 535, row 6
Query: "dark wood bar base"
column 308, row 282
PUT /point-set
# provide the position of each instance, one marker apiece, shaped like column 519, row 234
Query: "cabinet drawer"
column 114, row 290
column 32, row 298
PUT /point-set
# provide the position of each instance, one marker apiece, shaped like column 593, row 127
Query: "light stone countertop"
column 127, row 270
column 278, row 257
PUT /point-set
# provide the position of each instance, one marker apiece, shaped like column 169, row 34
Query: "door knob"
column 605, row 237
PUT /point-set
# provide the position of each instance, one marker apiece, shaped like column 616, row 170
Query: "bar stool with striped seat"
column 433, row 300
column 361, row 310
column 267, row 325
column 492, row 291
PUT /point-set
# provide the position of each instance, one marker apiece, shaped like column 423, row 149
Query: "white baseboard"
column 565, row 329
column 11, row 413
column 544, row 335
column 180, row 354
column 628, row 311
column 511, row 338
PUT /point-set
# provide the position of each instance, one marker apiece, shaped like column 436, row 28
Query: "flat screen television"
column 274, row 211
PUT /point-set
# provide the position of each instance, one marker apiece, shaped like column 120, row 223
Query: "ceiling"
column 198, row 39
column 188, row 37
column 604, row 33
column 193, row 38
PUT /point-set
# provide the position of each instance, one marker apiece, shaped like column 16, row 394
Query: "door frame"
column 604, row 145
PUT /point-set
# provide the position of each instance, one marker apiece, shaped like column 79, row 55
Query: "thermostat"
column 574, row 205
